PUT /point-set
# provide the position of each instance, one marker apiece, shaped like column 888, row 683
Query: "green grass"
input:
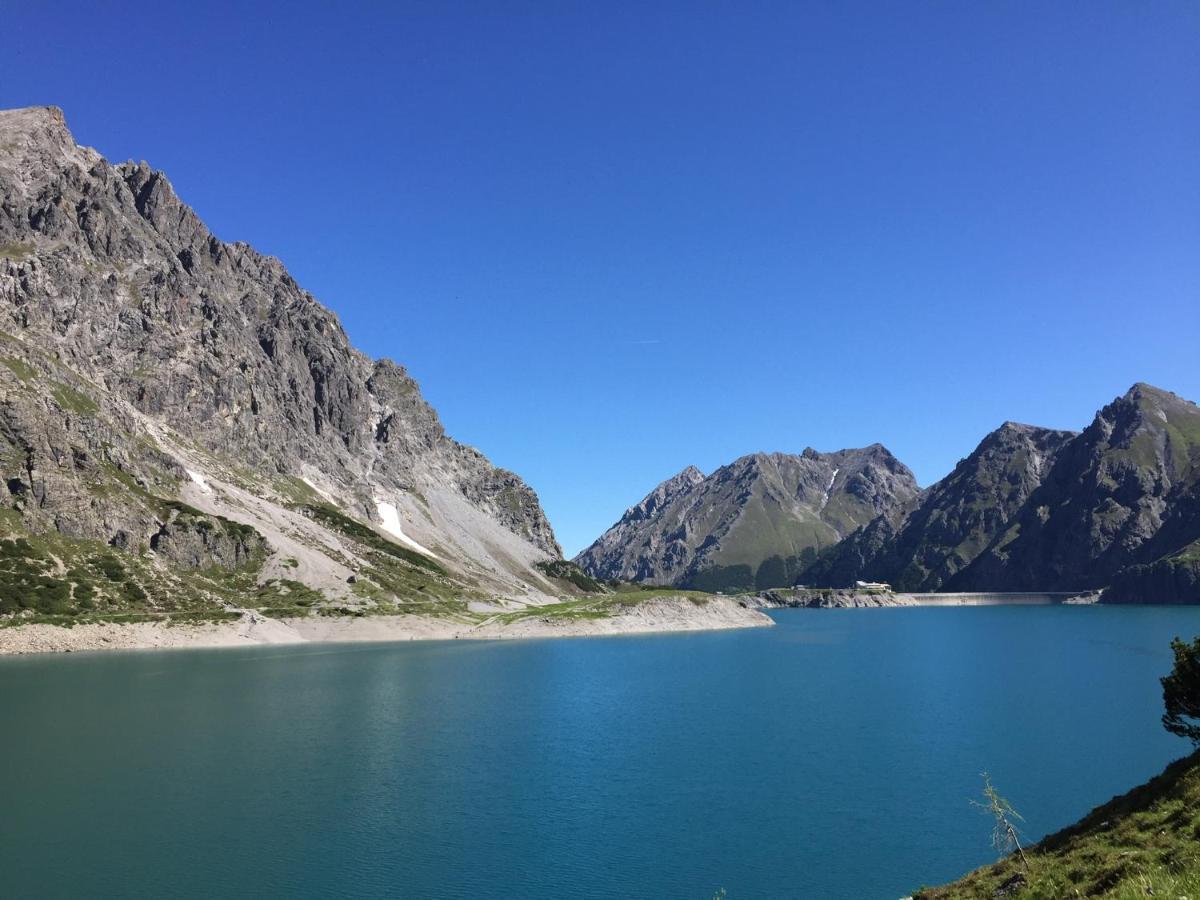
column 20, row 368
column 16, row 251
column 1145, row 843
column 564, row 570
column 52, row 577
column 284, row 593
column 296, row 490
column 73, row 401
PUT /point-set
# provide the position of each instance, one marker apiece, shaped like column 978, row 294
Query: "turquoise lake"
column 833, row 756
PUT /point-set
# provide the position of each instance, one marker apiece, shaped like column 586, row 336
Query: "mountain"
column 1116, row 505
column 180, row 405
column 1122, row 493
column 753, row 523
column 922, row 546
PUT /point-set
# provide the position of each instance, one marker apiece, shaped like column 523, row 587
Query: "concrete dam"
column 993, row 599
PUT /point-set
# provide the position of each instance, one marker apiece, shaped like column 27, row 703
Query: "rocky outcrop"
column 756, row 522
column 1173, row 579
column 197, row 541
column 807, row 598
column 142, row 357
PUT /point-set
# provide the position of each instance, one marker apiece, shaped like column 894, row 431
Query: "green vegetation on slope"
column 1144, row 843
column 63, row 580
column 564, row 570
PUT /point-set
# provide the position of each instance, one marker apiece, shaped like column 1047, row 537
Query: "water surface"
column 832, row 756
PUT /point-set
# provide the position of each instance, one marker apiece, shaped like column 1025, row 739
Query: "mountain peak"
column 187, row 354
column 753, row 522
column 41, row 127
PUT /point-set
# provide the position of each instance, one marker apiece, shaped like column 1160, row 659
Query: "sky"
column 612, row 240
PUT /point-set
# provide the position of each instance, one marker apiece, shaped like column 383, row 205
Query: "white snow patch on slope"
column 829, row 488
column 391, row 524
column 200, row 481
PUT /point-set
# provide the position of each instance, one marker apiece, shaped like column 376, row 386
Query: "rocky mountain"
column 1116, row 506
column 182, row 400
column 756, row 522
column 1122, row 494
column 922, row 546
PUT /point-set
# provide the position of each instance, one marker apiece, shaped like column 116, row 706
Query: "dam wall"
column 984, row 599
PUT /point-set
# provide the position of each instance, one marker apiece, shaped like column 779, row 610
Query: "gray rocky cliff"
column 142, row 355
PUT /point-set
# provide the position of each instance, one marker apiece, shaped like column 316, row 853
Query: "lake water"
column 830, row 757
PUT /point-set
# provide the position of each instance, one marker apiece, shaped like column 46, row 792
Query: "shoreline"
column 659, row 616
column 852, row 598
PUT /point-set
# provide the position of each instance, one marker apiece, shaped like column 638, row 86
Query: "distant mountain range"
column 1116, row 506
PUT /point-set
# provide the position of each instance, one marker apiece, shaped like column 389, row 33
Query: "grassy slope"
column 1144, row 843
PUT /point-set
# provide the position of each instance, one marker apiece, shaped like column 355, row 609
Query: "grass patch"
column 1144, row 843
column 564, row 570
column 16, row 251
column 73, row 401
column 279, row 593
column 20, row 368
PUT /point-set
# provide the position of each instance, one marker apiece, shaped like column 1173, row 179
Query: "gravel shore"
column 662, row 614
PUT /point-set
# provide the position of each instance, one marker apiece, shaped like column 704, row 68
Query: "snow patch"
column 391, row 524
column 200, row 480
column 829, row 488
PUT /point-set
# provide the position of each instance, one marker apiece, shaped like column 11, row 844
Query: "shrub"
column 111, row 567
column 1181, row 692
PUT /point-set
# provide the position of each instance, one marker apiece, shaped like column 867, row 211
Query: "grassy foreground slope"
column 1145, row 843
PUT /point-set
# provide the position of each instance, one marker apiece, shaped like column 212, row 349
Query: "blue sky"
column 613, row 240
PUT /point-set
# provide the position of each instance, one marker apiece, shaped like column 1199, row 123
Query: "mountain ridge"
column 1115, row 506
column 716, row 532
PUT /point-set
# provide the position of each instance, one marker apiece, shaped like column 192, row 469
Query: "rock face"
column 141, row 356
column 1034, row 509
column 756, row 522
column 924, row 545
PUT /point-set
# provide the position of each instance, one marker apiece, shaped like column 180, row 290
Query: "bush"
column 564, row 570
column 111, row 567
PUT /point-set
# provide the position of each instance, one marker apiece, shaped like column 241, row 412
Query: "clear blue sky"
column 612, row 240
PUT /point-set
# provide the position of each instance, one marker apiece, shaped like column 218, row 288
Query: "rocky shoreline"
column 659, row 615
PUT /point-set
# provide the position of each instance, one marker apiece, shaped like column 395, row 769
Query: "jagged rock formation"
column 1034, row 509
column 925, row 544
column 753, row 523
column 142, row 358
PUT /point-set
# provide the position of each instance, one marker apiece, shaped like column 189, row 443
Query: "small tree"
column 1181, row 692
column 1005, row 837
